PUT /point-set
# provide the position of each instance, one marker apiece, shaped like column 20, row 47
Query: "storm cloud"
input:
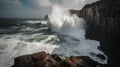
column 36, row 8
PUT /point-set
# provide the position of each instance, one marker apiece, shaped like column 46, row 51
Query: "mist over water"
column 61, row 21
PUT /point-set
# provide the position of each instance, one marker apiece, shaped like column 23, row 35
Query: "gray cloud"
column 38, row 8
column 38, row 3
column 15, row 9
column 73, row 4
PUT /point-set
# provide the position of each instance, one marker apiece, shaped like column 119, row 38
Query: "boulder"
column 43, row 59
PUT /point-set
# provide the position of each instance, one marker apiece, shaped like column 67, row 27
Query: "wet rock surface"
column 103, row 24
column 43, row 59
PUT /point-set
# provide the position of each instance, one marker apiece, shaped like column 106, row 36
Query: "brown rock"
column 43, row 59
column 82, row 61
column 39, row 56
column 23, row 61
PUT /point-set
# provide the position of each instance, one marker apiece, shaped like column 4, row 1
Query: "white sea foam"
column 12, row 46
column 34, row 22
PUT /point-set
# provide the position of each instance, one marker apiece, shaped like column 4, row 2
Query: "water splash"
column 62, row 22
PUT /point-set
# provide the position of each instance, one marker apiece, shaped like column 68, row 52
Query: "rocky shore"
column 43, row 59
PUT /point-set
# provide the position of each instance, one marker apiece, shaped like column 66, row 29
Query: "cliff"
column 103, row 15
column 103, row 24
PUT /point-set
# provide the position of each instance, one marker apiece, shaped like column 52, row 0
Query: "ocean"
column 20, row 37
column 62, row 33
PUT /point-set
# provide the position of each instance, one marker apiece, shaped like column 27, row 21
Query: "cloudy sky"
column 36, row 8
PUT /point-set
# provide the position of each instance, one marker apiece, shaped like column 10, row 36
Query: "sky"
column 36, row 8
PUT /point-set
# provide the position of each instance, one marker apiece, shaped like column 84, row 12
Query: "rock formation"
column 43, row 59
column 103, row 24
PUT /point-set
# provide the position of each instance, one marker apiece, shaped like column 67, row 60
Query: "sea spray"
column 61, row 21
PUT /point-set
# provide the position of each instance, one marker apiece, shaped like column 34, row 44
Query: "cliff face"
column 103, row 15
column 103, row 24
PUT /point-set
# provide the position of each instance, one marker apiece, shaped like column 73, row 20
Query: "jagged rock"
column 101, row 56
column 103, row 24
column 43, row 59
column 103, row 15
column 46, row 17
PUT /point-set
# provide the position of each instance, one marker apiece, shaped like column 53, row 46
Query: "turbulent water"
column 61, row 34
column 27, row 37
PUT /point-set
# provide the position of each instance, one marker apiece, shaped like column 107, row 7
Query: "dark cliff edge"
column 103, row 24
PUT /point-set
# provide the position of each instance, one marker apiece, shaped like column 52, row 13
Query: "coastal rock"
column 103, row 16
column 43, row 59
column 103, row 24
